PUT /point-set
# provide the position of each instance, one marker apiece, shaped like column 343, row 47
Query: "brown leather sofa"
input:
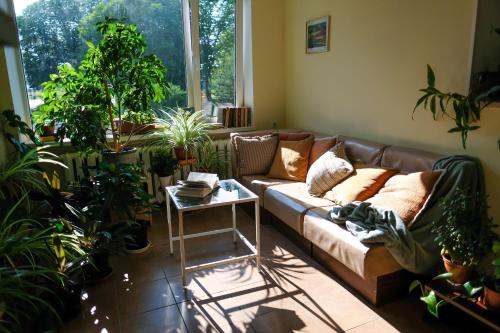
column 371, row 270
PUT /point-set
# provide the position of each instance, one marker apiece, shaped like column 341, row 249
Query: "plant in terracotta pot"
column 163, row 164
column 464, row 233
column 183, row 130
column 491, row 297
column 116, row 82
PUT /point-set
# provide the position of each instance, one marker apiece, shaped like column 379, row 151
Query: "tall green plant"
column 115, row 79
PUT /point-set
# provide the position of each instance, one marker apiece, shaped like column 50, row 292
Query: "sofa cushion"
column 407, row 195
column 289, row 202
column 363, row 183
column 362, row 151
column 368, row 261
column 291, row 160
column 255, row 154
column 294, row 136
column 259, row 183
column 407, row 159
column 321, row 146
column 328, row 170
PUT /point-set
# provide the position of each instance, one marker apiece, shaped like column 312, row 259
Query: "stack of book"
column 236, row 117
column 197, row 185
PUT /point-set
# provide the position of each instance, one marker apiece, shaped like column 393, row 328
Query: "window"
column 196, row 40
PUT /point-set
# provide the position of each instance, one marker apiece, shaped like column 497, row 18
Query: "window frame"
column 190, row 17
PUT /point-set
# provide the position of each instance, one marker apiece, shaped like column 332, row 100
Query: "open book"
column 198, row 185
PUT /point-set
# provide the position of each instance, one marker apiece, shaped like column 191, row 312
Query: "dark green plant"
column 115, row 79
column 121, row 189
column 469, row 290
column 463, row 230
column 466, row 109
column 11, row 119
column 163, row 162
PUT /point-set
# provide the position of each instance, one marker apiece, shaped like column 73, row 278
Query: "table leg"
column 169, row 219
column 257, row 232
column 234, row 223
column 181, row 241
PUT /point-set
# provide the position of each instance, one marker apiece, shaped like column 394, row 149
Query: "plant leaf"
column 413, row 285
column 443, row 276
column 431, row 78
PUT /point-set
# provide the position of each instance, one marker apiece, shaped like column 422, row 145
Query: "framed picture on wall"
column 318, row 35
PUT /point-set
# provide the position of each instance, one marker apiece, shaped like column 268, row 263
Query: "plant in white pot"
column 163, row 164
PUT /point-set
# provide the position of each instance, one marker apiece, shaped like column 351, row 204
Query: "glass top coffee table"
column 231, row 193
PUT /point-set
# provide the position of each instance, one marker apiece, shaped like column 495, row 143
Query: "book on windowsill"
column 198, row 185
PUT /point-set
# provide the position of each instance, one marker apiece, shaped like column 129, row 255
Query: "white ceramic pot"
column 165, row 181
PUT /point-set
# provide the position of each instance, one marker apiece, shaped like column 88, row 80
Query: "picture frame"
column 318, row 35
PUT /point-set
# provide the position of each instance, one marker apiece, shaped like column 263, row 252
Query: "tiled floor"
column 293, row 294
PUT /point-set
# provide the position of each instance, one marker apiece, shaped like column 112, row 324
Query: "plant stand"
column 473, row 308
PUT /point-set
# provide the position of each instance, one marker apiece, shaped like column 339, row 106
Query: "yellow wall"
column 368, row 83
column 268, row 44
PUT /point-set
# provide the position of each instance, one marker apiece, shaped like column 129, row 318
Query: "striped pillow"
column 328, row 170
column 255, row 154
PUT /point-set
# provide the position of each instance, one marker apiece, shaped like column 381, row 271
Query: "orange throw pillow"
column 291, row 160
column 407, row 195
column 294, row 136
column 321, row 146
column 364, row 183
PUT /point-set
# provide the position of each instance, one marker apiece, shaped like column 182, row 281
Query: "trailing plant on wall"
column 465, row 109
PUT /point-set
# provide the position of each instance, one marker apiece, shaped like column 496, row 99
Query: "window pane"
column 54, row 32
column 217, row 54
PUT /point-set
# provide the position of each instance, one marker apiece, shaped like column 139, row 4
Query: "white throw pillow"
column 328, row 170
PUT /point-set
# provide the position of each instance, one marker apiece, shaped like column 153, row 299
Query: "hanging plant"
column 465, row 109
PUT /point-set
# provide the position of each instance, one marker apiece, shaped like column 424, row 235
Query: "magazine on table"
column 198, row 185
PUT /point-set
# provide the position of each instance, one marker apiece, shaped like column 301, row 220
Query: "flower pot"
column 461, row 274
column 99, row 269
column 491, row 299
column 165, row 181
column 48, row 130
column 139, row 235
column 126, row 156
column 182, row 154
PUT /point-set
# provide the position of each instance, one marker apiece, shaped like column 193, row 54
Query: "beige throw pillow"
column 407, row 195
column 291, row 160
column 255, row 154
column 328, row 170
column 364, row 183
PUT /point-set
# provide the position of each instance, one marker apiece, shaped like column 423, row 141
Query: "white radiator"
column 76, row 162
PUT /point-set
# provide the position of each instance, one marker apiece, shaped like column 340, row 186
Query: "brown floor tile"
column 134, row 298
column 166, row 319
column 292, row 294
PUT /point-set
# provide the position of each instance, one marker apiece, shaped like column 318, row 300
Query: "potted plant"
column 183, row 130
column 491, row 296
column 163, row 164
column 211, row 160
column 120, row 189
column 116, row 82
column 464, row 233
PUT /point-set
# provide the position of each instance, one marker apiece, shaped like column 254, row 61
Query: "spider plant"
column 211, row 159
column 30, row 253
column 24, row 174
column 182, row 130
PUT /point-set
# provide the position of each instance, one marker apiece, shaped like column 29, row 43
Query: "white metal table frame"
column 236, row 233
